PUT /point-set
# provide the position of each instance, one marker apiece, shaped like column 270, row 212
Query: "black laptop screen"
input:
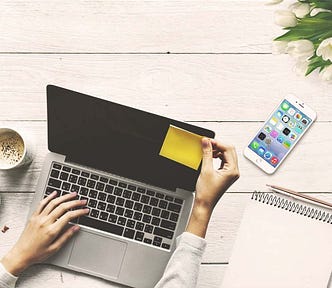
column 115, row 138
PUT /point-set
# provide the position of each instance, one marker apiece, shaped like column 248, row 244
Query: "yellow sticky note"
column 183, row 147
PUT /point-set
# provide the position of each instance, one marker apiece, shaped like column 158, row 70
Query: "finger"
column 56, row 202
column 64, row 207
column 67, row 217
column 45, row 201
column 60, row 241
column 228, row 152
column 207, row 162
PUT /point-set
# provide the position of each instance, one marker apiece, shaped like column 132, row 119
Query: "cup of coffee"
column 14, row 149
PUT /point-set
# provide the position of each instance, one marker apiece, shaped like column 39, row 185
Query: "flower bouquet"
column 309, row 35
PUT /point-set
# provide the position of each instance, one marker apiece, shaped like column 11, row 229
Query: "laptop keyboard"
column 119, row 207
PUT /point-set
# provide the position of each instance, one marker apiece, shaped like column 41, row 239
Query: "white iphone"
column 279, row 134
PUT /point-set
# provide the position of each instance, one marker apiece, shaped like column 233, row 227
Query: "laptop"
column 139, row 201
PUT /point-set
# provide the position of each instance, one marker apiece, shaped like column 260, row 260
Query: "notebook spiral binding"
column 291, row 206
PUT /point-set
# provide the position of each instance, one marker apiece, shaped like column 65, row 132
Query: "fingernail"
column 54, row 193
column 84, row 201
column 76, row 228
column 205, row 142
column 86, row 210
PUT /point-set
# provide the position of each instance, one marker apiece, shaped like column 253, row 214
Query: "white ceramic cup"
column 15, row 149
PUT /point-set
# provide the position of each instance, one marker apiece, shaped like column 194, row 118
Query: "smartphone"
column 280, row 133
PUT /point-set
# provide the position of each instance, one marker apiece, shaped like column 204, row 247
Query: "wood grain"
column 189, row 87
column 136, row 26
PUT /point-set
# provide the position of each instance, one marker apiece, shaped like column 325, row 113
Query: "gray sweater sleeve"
column 7, row 280
column 181, row 271
column 183, row 267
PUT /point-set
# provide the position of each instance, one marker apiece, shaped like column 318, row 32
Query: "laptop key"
column 85, row 174
column 129, row 204
column 119, row 211
column 101, row 225
column 139, row 236
column 169, row 198
column 54, row 183
column 139, row 226
column 103, row 179
column 101, row 206
column 75, row 188
column 165, row 214
column 64, row 176
column 140, row 190
column 82, row 181
column 136, row 196
column 163, row 232
column 50, row 190
column 168, row 224
column 56, row 166
column 129, row 213
column 110, row 208
column 73, row 178
column 112, row 218
column 145, row 199
column 148, row 228
column 93, row 194
column 92, row 203
column 147, row 209
column 147, row 241
column 118, row 191
column 129, row 233
column 113, row 182
column 150, row 192
column 67, row 169
column 138, row 216
column 123, row 185
column 178, row 200
column 100, row 186
column 130, row 223
column 138, row 206
column 65, row 186
column 55, row 173
column 91, row 183
column 122, row 221
column 155, row 221
column 94, row 213
column 154, row 201
column 84, row 191
column 163, row 204
column 146, row 218
column 102, row 196
column 109, row 189
column 103, row 216
column 76, row 172
column 132, row 187
column 120, row 201
column 174, row 207
column 156, row 211
column 94, row 177
column 111, row 199
column 165, row 246
column 174, row 217
column 157, row 241
column 160, row 195
column 127, row 194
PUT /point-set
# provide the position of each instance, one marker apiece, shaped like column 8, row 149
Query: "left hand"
column 43, row 236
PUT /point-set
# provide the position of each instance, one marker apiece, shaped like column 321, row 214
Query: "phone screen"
column 280, row 133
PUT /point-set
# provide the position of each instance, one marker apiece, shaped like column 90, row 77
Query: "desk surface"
column 203, row 62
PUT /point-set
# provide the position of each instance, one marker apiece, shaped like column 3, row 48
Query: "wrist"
column 13, row 263
column 199, row 220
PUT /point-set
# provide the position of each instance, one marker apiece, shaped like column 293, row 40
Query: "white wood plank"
column 136, row 26
column 310, row 158
column 189, row 87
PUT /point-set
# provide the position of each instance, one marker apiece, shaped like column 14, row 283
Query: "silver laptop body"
column 137, row 258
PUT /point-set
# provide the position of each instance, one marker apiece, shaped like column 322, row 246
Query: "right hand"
column 211, row 183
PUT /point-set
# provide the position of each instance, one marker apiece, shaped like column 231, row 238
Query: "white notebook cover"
column 279, row 248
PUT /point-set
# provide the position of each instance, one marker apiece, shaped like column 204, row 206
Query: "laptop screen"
column 115, row 138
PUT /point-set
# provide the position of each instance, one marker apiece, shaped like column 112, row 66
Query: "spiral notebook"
column 282, row 242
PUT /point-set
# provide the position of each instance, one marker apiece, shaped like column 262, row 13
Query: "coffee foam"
column 11, row 149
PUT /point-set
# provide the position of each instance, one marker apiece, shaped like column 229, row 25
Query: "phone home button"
column 259, row 160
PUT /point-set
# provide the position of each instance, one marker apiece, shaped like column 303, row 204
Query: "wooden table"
column 208, row 63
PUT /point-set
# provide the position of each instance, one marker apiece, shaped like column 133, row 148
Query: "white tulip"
column 315, row 11
column 300, row 9
column 300, row 49
column 273, row 2
column 325, row 49
column 279, row 47
column 285, row 18
column 326, row 73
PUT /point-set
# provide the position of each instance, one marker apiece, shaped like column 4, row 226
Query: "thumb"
column 207, row 162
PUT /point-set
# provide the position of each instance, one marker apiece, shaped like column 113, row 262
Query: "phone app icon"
column 291, row 111
column 292, row 136
column 305, row 121
column 291, row 124
column 274, row 133
column 299, row 129
column 287, row 144
column 280, row 139
column 267, row 155
column 298, row 116
column 268, row 129
column 268, row 141
column 261, row 151
column 279, row 113
column 254, row 145
column 285, row 118
column 261, row 136
column 274, row 121
column 284, row 106
column 286, row 131
column 274, row 160
column 280, row 127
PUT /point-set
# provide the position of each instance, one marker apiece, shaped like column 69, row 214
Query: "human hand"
column 44, row 234
column 212, row 184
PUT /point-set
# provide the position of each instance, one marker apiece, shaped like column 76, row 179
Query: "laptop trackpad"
column 97, row 254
